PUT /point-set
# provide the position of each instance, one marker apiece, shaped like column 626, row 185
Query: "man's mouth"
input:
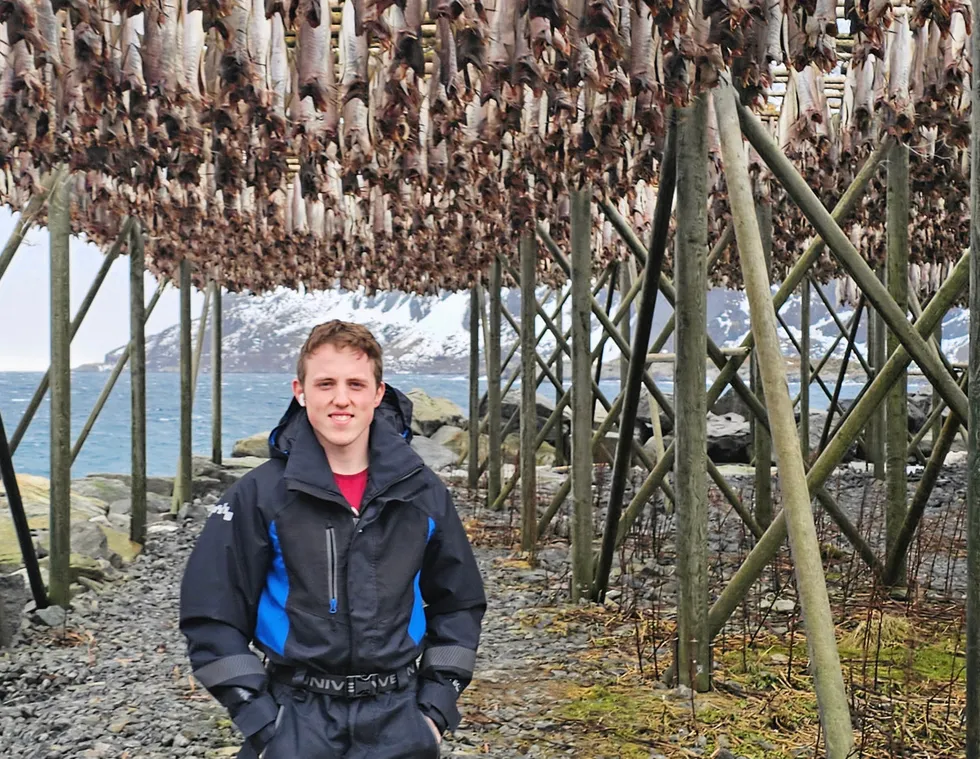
column 341, row 418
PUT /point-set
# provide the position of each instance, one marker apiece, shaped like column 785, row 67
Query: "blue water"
column 251, row 403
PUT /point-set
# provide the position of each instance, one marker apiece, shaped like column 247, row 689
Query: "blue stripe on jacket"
column 416, row 625
column 272, row 624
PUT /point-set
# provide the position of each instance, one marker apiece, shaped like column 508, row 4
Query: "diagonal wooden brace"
column 857, row 267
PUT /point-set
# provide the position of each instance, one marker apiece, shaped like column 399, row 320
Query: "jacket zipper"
column 332, row 569
column 359, row 528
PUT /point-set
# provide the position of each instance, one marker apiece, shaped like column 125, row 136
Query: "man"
column 343, row 559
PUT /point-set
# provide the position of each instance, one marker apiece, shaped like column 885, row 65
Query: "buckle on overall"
column 362, row 685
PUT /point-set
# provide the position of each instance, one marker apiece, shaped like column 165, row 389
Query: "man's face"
column 341, row 395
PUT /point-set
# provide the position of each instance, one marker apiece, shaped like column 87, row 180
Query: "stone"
column 435, row 456
column 429, row 414
column 510, row 450
column 729, row 439
column 256, row 446
column 159, row 485
column 89, row 539
column 102, row 488
column 51, row 616
column 511, row 404
column 14, row 596
column 449, row 434
column 195, row 512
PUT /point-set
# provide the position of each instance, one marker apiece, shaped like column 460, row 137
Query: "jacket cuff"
column 255, row 715
column 438, row 702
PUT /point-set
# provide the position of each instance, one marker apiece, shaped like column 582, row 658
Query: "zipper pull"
column 333, row 605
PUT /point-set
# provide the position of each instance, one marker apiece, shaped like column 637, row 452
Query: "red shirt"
column 352, row 487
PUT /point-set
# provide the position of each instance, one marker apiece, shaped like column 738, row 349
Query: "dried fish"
column 314, row 51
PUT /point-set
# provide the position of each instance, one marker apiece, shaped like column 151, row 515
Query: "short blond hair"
column 340, row 334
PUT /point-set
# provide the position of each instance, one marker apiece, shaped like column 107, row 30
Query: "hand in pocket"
column 435, row 730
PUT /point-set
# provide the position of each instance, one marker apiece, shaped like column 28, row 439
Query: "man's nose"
column 342, row 397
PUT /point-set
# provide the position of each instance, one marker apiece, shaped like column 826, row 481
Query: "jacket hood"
column 390, row 456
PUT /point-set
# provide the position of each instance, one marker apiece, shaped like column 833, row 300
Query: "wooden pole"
column 835, row 716
column 876, row 428
column 805, row 368
column 8, row 477
column 896, row 402
column 561, row 455
column 842, row 376
column 493, row 386
column 529, row 405
column 973, row 431
column 613, row 278
column 137, row 393
column 35, row 403
column 473, row 459
column 59, row 227
column 690, row 405
column 182, row 483
column 937, row 401
column 185, row 462
column 202, row 325
column 216, row 336
column 581, row 477
column 625, row 326
column 761, row 441
column 839, row 244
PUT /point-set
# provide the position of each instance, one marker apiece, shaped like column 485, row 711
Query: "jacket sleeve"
column 219, row 596
column 452, row 589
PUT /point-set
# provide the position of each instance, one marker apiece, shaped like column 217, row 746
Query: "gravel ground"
column 113, row 680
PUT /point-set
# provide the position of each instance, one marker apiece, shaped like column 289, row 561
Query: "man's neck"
column 350, row 459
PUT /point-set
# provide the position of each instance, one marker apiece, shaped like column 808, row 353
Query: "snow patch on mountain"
column 431, row 334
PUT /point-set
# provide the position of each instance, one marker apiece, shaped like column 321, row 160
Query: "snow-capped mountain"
column 431, row 334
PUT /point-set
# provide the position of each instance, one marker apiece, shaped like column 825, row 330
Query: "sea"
column 251, row 403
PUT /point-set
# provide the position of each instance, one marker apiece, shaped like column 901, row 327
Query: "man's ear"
column 381, row 394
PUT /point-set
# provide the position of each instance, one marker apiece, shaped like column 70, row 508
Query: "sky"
column 25, row 317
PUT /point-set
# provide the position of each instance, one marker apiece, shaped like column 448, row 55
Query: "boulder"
column 729, row 439
column 429, row 414
column 35, row 494
column 435, row 456
column 450, row 436
column 88, row 539
column 255, row 446
column 511, row 404
column 158, row 485
column 155, row 504
column 511, row 447
column 13, row 598
column 731, row 403
column 102, row 488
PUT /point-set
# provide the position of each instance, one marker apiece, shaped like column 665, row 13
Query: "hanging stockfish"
column 259, row 41
column 239, row 76
column 356, row 149
column 313, row 53
column 278, row 76
column 470, row 28
column 48, row 54
column 898, row 108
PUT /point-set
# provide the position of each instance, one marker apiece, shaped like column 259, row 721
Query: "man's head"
column 338, row 380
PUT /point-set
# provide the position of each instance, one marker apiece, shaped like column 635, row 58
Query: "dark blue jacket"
column 283, row 562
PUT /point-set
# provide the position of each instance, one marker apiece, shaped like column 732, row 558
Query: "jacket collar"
column 391, row 459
